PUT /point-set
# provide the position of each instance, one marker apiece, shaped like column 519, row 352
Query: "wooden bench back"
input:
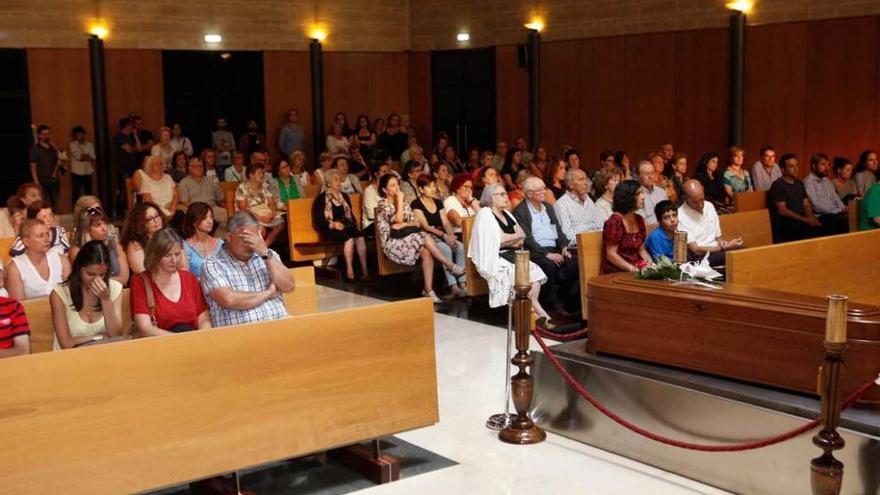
column 228, row 189
column 311, row 190
column 305, row 241
column 847, row 264
column 854, row 205
column 476, row 284
column 302, row 300
column 145, row 414
column 5, row 245
column 749, row 201
column 752, row 226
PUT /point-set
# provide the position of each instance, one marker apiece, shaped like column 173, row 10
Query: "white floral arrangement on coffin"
column 700, row 270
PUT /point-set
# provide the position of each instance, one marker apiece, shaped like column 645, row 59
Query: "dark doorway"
column 201, row 86
column 15, row 126
column 464, row 97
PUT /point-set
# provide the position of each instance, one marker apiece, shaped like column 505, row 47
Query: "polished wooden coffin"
column 756, row 335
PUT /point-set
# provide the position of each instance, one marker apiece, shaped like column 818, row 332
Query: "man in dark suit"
column 548, row 247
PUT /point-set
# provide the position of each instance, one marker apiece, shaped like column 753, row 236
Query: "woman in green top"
column 286, row 184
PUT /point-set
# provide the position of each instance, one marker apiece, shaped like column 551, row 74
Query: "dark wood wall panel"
column 775, row 89
column 287, row 80
column 375, row 84
column 511, row 95
column 602, row 109
column 650, row 96
column 135, row 84
column 701, row 92
column 60, row 96
column 841, row 73
column 420, row 101
column 561, row 84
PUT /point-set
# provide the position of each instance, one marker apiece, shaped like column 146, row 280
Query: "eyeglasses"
column 94, row 210
column 153, row 217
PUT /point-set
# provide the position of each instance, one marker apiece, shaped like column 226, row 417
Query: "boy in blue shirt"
column 660, row 241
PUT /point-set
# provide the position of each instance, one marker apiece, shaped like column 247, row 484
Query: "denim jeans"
column 457, row 257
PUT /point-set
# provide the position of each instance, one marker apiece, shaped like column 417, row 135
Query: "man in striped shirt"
column 15, row 334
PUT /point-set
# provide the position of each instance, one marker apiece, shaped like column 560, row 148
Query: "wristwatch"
column 266, row 255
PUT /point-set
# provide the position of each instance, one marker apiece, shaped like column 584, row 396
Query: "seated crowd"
column 191, row 262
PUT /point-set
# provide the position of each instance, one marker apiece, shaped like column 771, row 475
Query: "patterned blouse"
column 628, row 243
column 736, row 183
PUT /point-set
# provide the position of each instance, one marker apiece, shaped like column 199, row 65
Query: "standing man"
column 47, row 164
column 292, row 136
column 143, row 138
column 223, row 143
column 125, row 149
column 82, row 163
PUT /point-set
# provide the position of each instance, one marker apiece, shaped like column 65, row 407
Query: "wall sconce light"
column 213, row 38
column 99, row 28
column 743, row 6
column 536, row 24
column 462, row 37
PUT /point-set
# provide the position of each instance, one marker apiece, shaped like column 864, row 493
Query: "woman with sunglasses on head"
column 93, row 225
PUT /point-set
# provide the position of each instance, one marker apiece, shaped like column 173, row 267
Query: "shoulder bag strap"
column 151, row 302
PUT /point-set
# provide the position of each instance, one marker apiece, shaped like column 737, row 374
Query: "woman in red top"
column 624, row 232
column 179, row 303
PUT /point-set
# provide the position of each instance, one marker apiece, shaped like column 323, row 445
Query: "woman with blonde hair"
column 158, row 187
column 164, row 149
column 735, row 177
column 164, row 298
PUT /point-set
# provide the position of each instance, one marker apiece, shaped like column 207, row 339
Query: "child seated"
column 660, row 241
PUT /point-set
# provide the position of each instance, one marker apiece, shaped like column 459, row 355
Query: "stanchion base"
column 522, row 436
column 826, row 475
column 498, row 422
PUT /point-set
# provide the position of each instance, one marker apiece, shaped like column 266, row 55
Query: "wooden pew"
column 305, row 242
column 476, row 284
column 229, row 192
column 311, row 190
column 303, row 300
column 752, row 226
column 749, row 201
column 846, row 264
column 198, row 404
column 854, row 205
column 5, row 245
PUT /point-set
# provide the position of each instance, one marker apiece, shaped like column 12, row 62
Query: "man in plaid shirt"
column 244, row 281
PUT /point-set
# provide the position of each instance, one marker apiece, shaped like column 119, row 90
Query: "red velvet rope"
column 686, row 445
column 563, row 337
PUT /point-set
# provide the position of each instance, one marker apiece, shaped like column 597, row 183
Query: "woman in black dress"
column 333, row 217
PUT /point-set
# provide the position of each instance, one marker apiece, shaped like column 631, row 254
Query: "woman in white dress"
column 495, row 237
column 36, row 272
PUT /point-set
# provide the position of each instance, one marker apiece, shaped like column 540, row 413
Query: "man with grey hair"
column 548, row 246
column 575, row 209
column 244, row 280
column 652, row 194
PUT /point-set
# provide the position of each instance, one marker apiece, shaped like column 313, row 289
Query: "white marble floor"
column 470, row 372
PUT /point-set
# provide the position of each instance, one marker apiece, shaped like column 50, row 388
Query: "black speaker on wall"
column 522, row 55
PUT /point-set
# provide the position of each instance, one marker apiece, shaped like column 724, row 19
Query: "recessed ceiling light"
column 463, row 37
column 213, row 38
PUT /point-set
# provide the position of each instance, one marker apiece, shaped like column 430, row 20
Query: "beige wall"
column 353, row 25
column 434, row 23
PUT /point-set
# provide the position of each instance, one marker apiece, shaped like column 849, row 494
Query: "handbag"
column 151, row 304
column 404, row 232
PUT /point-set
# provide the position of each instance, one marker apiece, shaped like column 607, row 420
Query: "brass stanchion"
column 826, row 472
column 522, row 430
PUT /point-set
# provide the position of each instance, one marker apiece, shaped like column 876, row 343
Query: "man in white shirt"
column 575, row 209
column 82, row 163
column 699, row 219
column 765, row 171
column 652, row 194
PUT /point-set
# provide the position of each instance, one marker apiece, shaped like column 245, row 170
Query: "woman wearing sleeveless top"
column 198, row 225
column 87, row 306
column 36, row 272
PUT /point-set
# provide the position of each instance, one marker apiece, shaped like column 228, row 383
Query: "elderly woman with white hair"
column 495, row 237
